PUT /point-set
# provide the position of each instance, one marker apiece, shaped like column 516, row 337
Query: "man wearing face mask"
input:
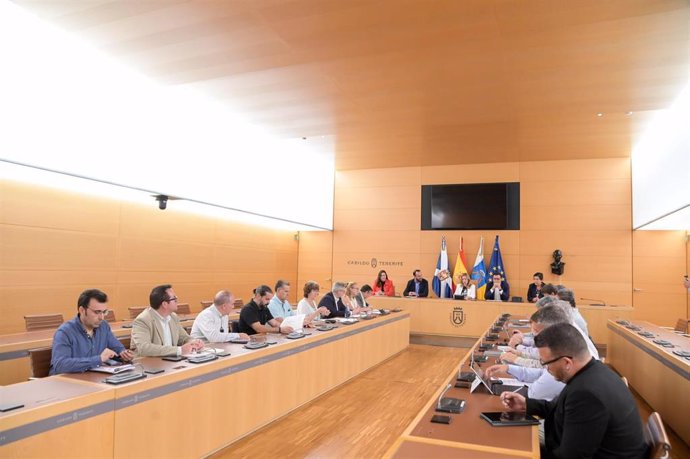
column 595, row 415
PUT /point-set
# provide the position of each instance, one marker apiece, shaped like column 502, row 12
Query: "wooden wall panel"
column 471, row 173
column 55, row 244
column 31, row 248
column 371, row 241
column 582, row 207
column 381, row 219
column 315, row 261
column 659, row 263
column 378, row 197
column 28, row 206
column 394, row 176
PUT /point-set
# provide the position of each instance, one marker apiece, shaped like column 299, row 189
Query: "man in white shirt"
column 212, row 323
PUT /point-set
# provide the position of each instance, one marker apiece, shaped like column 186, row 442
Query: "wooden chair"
column 205, row 304
column 134, row 311
column 126, row 341
column 43, row 321
column 659, row 442
column 681, row 326
column 40, row 361
column 110, row 317
column 238, row 303
column 183, row 308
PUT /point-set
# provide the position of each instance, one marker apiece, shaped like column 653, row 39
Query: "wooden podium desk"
column 60, row 418
column 193, row 410
column 447, row 317
column 655, row 372
column 467, row 435
column 15, row 365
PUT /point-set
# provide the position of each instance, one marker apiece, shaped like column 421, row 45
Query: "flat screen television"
column 475, row 206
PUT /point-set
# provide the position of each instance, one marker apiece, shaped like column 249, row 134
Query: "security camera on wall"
column 162, row 201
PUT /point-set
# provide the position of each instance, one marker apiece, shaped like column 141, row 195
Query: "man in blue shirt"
column 86, row 341
column 279, row 304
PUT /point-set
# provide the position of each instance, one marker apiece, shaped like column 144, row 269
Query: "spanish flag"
column 460, row 264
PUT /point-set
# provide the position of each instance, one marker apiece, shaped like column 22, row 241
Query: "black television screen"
column 476, row 206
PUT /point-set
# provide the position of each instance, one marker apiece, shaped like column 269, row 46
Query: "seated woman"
column 466, row 288
column 534, row 290
column 383, row 285
column 308, row 305
column 352, row 299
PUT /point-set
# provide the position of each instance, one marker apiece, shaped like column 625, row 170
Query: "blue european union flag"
column 496, row 265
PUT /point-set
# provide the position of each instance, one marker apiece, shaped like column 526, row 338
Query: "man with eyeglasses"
column 157, row 332
column 212, row 323
column 595, row 415
column 86, row 341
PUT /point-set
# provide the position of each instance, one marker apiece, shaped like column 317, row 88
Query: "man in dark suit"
column 498, row 289
column 332, row 301
column 595, row 415
column 417, row 286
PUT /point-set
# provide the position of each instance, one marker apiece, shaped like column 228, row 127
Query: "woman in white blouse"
column 350, row 299
column 308, row 305
column 465, row 288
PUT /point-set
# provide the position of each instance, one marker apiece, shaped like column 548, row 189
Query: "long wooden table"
column 661, row 377
column 15, row 365
column 467, row 435
column 193, row 410
column 446, row 317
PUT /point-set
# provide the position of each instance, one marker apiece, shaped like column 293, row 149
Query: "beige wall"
column 54, row 244
column 582, row 207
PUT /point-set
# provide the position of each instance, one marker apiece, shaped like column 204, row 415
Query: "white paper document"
column 296, row 322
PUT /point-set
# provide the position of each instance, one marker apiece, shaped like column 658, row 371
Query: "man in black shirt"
column 595, row 415
column 255, row 316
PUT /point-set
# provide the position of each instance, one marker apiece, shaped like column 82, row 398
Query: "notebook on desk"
column 113, row 370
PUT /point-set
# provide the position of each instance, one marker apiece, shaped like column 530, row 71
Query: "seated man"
column 524, row 344
column 497, row 289
column 543, row 385
column 333, row 301
column 255, row 316
column 568, row 296
column 157, row 332
column 549, row 290
column 595, row 415
column 364, row 292
column 417, row 286
column 212, row 323
column 279, row 304
column 86, row 341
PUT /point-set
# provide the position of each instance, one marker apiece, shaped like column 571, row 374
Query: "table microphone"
column 449, row 404
column 600, row 302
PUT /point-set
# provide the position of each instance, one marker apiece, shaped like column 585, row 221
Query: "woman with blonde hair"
column 353, row 299
column 466, row 288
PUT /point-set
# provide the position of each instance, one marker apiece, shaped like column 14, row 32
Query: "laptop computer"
column 489, row 385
